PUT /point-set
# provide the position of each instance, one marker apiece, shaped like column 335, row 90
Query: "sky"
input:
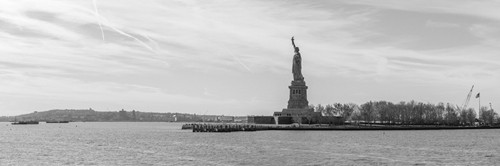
column 234, row 57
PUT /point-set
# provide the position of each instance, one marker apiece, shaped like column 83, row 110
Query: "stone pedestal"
column 298, row 106
column 298, row 95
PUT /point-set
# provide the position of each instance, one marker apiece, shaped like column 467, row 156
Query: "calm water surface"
column 116, row 143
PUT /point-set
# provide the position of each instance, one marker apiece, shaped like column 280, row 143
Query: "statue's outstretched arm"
column 293, row 43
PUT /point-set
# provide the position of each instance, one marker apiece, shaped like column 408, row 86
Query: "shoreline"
column 354, row 128
column 206, row 127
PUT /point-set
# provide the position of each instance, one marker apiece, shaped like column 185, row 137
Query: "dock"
column 221, row 127
column 235, row 127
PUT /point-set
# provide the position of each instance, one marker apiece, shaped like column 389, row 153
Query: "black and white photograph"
column 249, row 82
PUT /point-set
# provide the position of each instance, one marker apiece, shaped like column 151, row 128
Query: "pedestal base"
column 298, row 114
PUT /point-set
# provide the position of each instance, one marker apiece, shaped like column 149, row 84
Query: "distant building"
column 241, row 119
column 225, row 118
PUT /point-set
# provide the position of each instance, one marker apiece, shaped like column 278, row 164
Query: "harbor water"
column 158, row 143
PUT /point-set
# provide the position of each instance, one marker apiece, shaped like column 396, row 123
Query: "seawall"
column 231, row 127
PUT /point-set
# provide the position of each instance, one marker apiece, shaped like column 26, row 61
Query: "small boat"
column 187, row 126
column 55, row 121
column 25, row 122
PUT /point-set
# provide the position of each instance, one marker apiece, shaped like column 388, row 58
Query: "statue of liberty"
column 297, row 64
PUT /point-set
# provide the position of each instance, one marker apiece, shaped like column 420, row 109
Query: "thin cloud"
column 482, row 9
column 239, row 45
column 437, row 24
column 97, row 14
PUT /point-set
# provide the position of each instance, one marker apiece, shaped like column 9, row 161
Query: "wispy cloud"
column 168, row 51
column 436, row 24
column 98, row 16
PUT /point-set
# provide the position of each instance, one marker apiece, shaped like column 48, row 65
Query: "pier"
column 221, row 127
column 234, row 127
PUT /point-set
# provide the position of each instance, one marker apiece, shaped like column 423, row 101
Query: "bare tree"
column 487, row 115
column 329, row 110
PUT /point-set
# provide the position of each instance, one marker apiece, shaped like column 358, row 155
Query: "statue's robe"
column 297, row 67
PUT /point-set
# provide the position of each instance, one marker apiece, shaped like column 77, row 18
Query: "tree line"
column 409, row 113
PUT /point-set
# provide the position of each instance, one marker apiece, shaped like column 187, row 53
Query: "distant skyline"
column 233, row 57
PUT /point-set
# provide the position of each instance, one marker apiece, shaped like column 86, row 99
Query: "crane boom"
column 466, row 103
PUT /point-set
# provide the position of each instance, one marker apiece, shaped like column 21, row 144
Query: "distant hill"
column 90, row 115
